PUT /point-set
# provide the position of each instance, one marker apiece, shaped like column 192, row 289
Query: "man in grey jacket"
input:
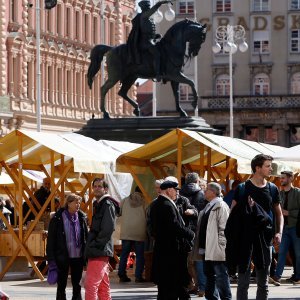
column 210, row 243
column 99, row 245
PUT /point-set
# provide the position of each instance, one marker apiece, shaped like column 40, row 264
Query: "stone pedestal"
column 141, row 129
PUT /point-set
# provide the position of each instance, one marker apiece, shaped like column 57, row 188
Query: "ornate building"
column 68, row 32
column 266, row 78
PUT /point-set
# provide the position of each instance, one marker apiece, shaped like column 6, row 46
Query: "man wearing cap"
column 169, row 268
column 143, row 36
column 290, row 210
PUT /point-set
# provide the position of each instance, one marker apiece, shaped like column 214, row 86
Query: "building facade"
column 68, row 32
column 266, row 78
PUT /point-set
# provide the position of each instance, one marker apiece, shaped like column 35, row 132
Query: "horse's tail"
column 96, row 57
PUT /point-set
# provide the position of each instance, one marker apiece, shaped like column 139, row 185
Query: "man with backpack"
column 254, row 223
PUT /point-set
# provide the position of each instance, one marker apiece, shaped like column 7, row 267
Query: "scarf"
column 74, row 221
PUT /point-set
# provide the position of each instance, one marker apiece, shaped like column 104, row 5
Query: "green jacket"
column 293, row 205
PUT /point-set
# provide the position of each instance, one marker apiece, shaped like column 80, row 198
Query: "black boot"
column 77, row 297
column 61, row 295
column 77, row 293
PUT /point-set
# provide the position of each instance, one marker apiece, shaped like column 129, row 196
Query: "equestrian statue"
column 148, row 55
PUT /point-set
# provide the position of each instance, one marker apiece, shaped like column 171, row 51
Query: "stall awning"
column 165, row 150
column 88, row 155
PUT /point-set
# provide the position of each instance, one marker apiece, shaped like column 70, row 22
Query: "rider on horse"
column 143, row 36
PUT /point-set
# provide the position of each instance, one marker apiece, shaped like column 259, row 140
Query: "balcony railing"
column 250, row 102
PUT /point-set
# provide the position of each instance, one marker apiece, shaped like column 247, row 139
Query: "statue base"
column 141, row 129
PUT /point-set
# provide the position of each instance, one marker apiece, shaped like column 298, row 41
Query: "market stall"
column 64, row 159
column 217, row 158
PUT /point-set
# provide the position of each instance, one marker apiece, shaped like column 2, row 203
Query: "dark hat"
column 287, row 172
column 169, row 184
column 144, row 2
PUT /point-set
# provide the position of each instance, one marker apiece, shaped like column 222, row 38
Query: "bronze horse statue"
column 172, row 47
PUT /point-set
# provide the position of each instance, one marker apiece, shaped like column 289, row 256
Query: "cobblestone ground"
column 20, row 286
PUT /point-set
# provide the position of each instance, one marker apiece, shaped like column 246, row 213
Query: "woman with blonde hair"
column 65, row 245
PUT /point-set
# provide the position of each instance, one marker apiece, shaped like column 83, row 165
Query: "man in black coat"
column 193, row 191
column 170, row 249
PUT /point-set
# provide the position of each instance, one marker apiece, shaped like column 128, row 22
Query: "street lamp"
column 228, row 36
column 157, row 18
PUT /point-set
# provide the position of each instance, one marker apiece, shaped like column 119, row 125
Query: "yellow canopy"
column 217, row 158
column 216, row 149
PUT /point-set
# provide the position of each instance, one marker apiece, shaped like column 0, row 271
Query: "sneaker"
column 274, row 280
column 296, row 282
column 124, row 278
column 140, row 280
column 292, row 278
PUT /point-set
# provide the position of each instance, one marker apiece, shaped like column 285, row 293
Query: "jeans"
column 217, row 280
column 262, row 284
column 97, row 280
column 140, row 260
column 289, row 238
column 201, row 278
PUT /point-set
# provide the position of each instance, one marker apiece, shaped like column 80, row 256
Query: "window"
column 222, row 85
column 295, row 4
column 58, row 19
column 295, row 40
column 86, row 27
column 68, row 23
column 261, row 85
column 295, row 83
column 271, row 136
column 186, row 7
column 223, row 5
column 77, row 25
column 48, row 21
column 112, row 33
column 127, row 31
column 185, row 93
column 13, row 14
column 261, row 41
column 260, row 5
column 95, row 30
column 261, row 46
column 252, row 134
column 295, row 134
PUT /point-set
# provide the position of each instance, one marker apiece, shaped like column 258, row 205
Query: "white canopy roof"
column 288, row 155
column 88, row 155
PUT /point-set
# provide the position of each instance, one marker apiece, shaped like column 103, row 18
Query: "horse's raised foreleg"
column 181, row 78
column 126, row 85
column 109, row 83
column 175, row 89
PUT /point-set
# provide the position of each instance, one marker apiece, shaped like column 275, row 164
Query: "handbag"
column 52, row 273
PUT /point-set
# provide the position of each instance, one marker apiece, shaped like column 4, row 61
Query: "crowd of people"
column 195, row 240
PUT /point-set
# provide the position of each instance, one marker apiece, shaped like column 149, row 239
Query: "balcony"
column 250, row 102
